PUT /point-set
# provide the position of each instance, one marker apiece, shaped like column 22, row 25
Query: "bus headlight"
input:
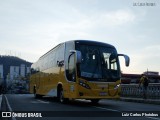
column 117, row 86
column 83, row 84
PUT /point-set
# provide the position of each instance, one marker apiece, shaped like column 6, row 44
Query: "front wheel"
column 61, row 97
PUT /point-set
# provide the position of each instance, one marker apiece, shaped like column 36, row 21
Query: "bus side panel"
column 50, row 72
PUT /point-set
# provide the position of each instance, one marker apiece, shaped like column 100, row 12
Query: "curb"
column 139, row 100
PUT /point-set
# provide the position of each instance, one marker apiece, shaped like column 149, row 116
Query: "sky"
column 30, row 28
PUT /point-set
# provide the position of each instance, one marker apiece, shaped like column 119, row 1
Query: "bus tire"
column 95, row 101
column 35, row 94
column 38, row 96
column 61, row 97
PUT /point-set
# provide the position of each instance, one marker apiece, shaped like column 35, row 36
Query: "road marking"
column 20, row 94
column 153, row 118
column 106, row 109
column 40, row 101
column 35, row 102
column 9, row 107
column 121, row 111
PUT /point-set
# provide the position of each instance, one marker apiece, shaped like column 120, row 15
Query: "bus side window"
column 71, row 74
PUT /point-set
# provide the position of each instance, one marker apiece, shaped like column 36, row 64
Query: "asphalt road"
column 50, row 109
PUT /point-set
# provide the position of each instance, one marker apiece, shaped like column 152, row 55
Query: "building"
column 18, row 71
column 151, row 73
column 1, row 71
column 22, row 70
column 14, row 72
column 154, row 77
column 1, row 74
column 28, row 70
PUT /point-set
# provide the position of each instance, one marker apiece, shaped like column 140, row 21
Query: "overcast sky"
column 29, row 28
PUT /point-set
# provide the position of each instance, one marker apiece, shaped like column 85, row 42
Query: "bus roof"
column 90, row 42
column 50, row 50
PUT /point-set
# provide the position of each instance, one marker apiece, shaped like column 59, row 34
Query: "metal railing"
column 133, row 90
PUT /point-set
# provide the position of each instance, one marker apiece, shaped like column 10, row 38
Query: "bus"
column 78, row 69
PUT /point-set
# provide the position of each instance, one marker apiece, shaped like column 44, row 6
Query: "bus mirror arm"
column 127, row 59
column 78, row 55
column 60, row 63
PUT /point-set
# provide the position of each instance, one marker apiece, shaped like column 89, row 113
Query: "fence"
column 133, row 90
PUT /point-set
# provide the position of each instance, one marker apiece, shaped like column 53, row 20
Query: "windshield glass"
column 98, row 63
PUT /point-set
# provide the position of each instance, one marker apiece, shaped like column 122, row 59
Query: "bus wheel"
column 35, row 94
column 61, row 97
column 38, row 96
column 95, row 101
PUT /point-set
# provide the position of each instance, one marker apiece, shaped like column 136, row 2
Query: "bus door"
column 71, row 75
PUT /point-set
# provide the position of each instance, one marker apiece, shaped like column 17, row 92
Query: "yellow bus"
column 78, row 69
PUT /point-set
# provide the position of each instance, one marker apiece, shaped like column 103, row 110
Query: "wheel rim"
column 61, row 96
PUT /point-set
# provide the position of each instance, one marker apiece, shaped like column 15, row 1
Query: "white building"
column 1, row 71
column 14, row 72
column 28, row 70
column 1, row 74
column 22, row 70
column 18, row 71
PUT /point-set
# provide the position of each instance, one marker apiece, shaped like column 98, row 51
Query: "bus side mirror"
column 78, row 55
column 127, row 59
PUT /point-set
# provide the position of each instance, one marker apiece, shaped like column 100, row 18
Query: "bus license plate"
column 102, row 93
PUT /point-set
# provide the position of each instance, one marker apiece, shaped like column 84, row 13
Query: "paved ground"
column 139, row 100
column 0, row 101
column 109, row 108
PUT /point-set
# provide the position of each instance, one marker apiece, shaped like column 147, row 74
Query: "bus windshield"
column 99, row 63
